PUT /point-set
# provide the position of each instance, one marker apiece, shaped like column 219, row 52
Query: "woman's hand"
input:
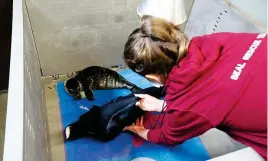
column 138, row 128
column 149, row 103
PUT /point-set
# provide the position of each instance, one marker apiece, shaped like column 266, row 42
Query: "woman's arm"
column 178, row 127
column 150, row 103
column 138, row 128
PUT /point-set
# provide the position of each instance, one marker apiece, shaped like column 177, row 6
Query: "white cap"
column 170, row 10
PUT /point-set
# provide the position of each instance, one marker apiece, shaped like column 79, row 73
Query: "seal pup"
column 96, row 78
column 106, row 122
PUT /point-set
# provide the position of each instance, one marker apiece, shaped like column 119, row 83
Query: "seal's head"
column 72, row 86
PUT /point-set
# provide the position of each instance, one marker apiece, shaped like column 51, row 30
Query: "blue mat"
column 121, row 148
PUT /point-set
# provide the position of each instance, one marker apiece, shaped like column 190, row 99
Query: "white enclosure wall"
column 36, row 143
column 26, row 126
column 14, row 132
column 209, row 16
column 82, row 32
column 256, row 10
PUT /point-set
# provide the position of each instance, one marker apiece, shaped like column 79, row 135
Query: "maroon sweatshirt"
column 220, row 83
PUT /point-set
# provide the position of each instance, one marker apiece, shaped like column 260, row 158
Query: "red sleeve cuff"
column 154, row 135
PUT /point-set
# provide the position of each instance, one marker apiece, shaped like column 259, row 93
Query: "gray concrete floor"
column 54, row 123
column 3, row 105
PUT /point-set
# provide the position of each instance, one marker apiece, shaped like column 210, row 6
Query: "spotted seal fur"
column 96, row 78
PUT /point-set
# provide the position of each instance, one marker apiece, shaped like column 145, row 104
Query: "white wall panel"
column 209, row 16
column 71, row 35
column 36, row 143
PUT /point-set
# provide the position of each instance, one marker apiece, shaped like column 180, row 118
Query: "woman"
column 217, row 80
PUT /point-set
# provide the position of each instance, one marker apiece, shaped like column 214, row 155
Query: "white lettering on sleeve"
column 234, row 76
column 238, row 71
column 261, row 36
column 251, row 49
column 239, row 67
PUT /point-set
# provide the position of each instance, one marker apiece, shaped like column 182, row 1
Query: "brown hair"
column 155, row 47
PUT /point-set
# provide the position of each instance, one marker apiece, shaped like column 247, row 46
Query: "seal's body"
column 106, row 122
column 96, row 78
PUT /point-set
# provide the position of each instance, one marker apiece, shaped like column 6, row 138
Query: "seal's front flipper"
column 135, row 89
column 89, row 95
column 68, row 132
column 74, row 131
